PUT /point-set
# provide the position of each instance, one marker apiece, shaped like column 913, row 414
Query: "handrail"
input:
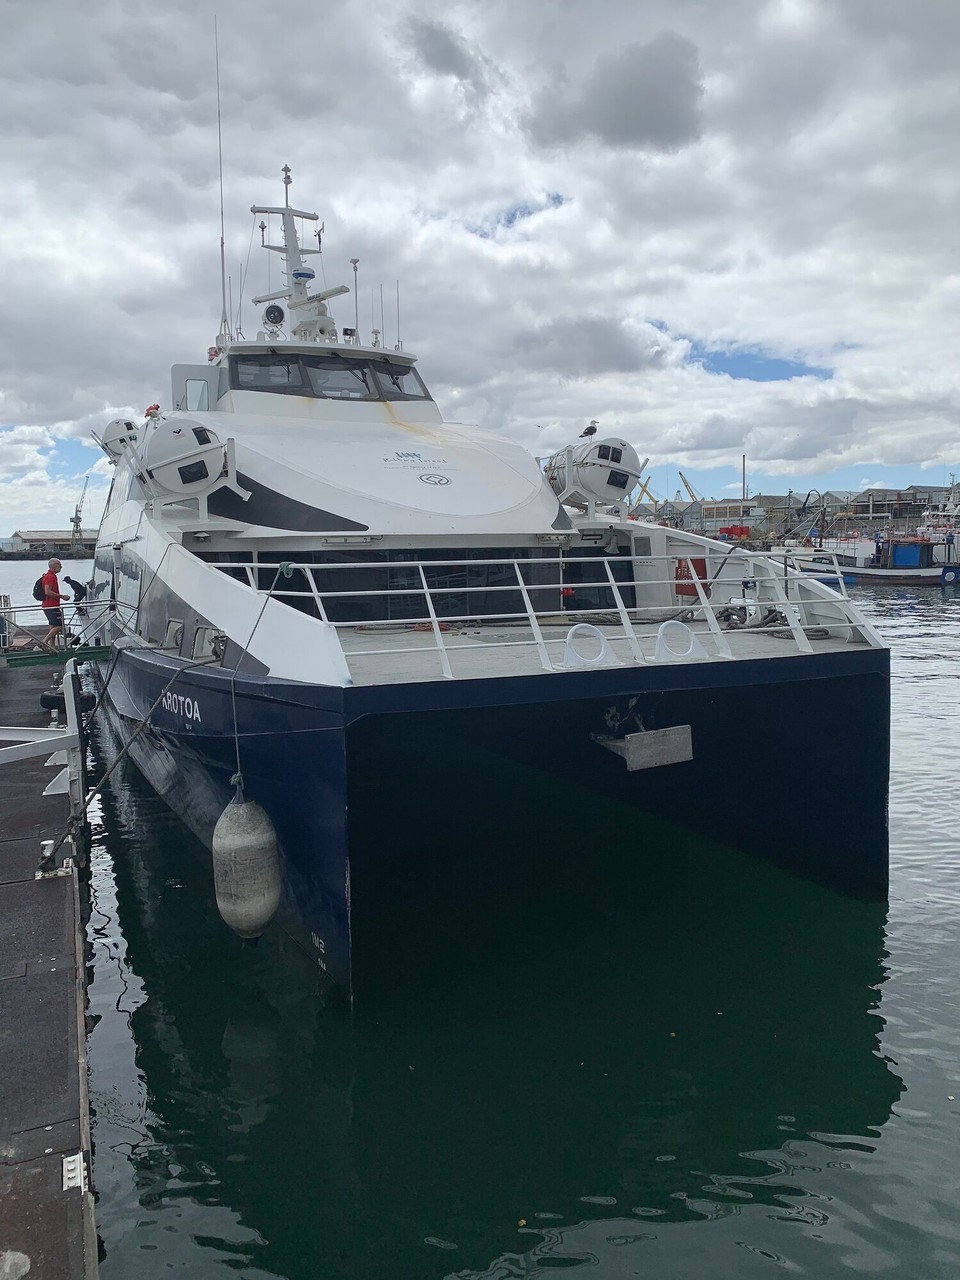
column 534, row 622
column 710, row 614
column 832, row 569
column 714, row 586
column 741, row 559
column 624, row 616
column 441, row 647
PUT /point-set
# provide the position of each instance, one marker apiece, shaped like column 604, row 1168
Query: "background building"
column 53, row 542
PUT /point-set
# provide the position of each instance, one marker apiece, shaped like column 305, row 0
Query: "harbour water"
column 694, row 1064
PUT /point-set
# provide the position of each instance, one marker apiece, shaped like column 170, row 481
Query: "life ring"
column 950, row 574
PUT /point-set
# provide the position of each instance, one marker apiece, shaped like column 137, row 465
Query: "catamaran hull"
column 396, row 806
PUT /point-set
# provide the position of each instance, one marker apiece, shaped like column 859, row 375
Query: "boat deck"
column 410, row 653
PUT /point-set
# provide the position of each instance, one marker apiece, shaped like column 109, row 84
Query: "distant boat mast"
column 224, row 334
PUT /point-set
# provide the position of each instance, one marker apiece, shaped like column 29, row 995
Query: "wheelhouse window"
column 266, row 373
column 327, row 376
column 399, row 381
column 334, row 378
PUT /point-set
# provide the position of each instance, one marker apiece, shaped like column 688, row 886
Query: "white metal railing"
column 65, row 742
column 813, row 561
column 726, row 595
column 14, row 624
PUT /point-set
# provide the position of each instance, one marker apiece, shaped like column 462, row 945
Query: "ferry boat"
column 370, row 656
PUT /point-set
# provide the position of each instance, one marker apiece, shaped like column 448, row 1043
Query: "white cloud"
column 24, row 452
column 638, row 96
column 771, row 175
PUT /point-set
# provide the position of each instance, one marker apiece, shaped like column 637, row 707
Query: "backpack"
column 38, row 591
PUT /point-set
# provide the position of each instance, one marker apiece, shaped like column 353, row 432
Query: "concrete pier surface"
column 46, row 1199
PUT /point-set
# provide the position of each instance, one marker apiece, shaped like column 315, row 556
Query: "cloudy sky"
column 720, row 227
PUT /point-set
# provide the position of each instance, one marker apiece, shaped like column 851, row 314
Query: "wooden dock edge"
column 47, row 1201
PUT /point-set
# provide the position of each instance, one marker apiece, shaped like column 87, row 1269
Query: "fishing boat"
column 370, row 656
column 927, row 557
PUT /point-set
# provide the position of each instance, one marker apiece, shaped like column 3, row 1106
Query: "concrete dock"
column 46, row 1199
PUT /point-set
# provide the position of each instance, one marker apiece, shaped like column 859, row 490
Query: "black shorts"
column 54, row 617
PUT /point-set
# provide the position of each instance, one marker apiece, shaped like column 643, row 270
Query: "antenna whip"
column 224, row 323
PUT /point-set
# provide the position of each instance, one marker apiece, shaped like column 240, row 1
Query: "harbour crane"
column 77, row 534
column 694, row 496
column 643, row 491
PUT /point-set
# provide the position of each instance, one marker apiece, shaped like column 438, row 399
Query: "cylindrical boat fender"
column 55, row 700
column 246, row 867
column 950, row 575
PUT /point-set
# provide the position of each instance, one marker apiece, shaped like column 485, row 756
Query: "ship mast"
column 313, row 321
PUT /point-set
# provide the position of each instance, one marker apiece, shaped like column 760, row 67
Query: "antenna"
column 224, row 323
column 356, row 299
column 399, row 343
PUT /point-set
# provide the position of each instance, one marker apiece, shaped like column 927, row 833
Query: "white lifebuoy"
column 950, row 574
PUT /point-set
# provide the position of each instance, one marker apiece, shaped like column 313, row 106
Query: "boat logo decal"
column 182, row 705
column 430, row 478
column 410, row 461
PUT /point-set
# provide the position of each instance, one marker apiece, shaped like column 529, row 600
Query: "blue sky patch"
column 754, row 365
column 71, row 459
column 514, row 213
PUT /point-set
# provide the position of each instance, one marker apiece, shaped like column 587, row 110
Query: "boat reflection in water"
column 641, row 1064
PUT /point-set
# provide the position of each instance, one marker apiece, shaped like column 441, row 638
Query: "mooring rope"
column 76, row 818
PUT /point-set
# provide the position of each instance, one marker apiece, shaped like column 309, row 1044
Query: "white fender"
column 246, row 867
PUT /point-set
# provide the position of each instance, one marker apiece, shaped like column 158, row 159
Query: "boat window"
column 399, row 381
column 385, row 586
column 334, row 378
column 586, row 582
column 267, row 373
column 327, row 376
column 197, row 395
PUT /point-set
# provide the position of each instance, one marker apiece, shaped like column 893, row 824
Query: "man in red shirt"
column 51, row 603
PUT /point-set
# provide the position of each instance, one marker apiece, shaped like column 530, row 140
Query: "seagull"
column 589, row 431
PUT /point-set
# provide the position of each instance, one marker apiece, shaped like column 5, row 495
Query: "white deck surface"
column 487, row 652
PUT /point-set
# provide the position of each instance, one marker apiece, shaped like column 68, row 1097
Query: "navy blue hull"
column 398, row 805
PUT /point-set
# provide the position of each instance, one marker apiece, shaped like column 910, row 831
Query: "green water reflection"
column 673, row 1058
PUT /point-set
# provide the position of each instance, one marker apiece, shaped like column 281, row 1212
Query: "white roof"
column 52, row 535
